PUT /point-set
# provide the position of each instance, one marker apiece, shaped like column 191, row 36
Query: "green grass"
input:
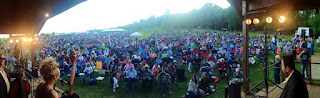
column 103, row 88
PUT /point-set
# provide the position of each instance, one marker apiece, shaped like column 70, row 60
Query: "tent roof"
column 275, row 6
column 28, row 16
column 136, row 34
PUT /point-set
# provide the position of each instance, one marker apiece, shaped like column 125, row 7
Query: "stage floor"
column 274, row 92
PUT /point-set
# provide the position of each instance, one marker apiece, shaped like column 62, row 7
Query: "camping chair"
column 99, row 66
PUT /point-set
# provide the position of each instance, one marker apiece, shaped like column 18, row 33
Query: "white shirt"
column 5, row 78
column 287, row 79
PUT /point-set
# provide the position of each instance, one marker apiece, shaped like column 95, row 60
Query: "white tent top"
column 135, row 34
column 114, row 30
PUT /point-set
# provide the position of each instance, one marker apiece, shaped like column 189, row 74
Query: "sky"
column 101, row 14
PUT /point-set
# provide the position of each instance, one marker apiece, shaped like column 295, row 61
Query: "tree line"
column 216, row 18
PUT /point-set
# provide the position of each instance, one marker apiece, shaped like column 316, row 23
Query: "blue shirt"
column 159, row 60
column 132, row 73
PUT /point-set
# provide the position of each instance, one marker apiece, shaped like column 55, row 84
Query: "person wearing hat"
column 147, row 78
column 294, row 84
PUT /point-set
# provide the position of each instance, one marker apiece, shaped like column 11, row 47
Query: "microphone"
column 63, row 81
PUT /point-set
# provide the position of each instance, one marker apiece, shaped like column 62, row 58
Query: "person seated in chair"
column 172, row 71
column 88, row 72
column 147, row 79
column 116, row 76
column 222, row 67
column 131, row 75
column 237, row 75
column 205, row 67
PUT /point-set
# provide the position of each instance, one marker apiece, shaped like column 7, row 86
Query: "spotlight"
column 47, row 15
column 17, row 41
column 248, row 21
column 269, row 19
column 29, row 39
column 282, row 19
column 256, row 21
column 11, row 41
column 24, row 39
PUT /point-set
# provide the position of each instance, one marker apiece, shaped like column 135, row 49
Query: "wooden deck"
column 274, row 92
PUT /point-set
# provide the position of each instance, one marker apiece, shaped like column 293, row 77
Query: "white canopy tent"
column 135, row 34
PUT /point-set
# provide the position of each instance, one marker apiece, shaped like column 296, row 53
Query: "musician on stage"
column 49, row 70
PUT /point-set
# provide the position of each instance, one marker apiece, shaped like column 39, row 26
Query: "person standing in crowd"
column 276, row 71
column 164, row 82
column 190, row 61
column 304, row 55
column 295, row 86
column 294, row 52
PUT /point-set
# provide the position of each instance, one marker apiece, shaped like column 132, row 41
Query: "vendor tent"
column 135, row 34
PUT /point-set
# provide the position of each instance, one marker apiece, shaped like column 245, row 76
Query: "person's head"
column 146, row 67
column 204, row 75
column 2, row 60
column 49, row 70
column 194, row 78
column 119, row 68
column 287, row 64
column 88, row 64
column 131, row 68
column 237, row 70
column 277, row 58
column 205, row 61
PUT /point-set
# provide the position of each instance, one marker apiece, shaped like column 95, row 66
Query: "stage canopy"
column 28, row 16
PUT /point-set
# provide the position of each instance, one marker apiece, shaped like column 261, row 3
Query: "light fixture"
column 248, row 21
column 269, row 19
column 11, row 41
column 256, row 21
column 29, row 39
column 282, row 19
column 24, row 39
column 17, row 41
column 47, row 15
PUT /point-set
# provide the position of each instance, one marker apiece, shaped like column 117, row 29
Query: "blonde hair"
column 49, row 68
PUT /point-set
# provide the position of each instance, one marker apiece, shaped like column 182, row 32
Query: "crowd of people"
column 154, row 59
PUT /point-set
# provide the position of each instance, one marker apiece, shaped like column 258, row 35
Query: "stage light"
column 248, row 21
column 17, row 41
column 47, row 15
column 24, row 39
column 269, row 19
column 11, row 41
column 256, row 21
column 282, row 19
column 30, row 39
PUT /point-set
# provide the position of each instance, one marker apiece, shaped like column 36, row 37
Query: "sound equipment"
column 180, row 75
column 233, row 90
